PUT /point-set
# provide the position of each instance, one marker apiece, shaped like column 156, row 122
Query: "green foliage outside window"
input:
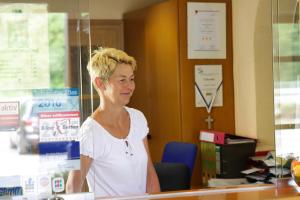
column 57, row 48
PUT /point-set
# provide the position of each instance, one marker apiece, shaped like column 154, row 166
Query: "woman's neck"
column 108, row 114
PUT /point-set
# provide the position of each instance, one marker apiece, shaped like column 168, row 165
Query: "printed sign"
column 10, row 181
column 40, row 185
column 29, row 185
column 59, row 123
column 58, row 184
column 44, row 185
column 206, row 30
column 59, row 126
column 58, row 156
column 56, row 100
column 58, row 111
column 208, row 86
column 62, row 150
column 24, row 45
column 11, row 191
column 9, row 115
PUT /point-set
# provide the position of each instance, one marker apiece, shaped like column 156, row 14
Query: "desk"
column 284, row 189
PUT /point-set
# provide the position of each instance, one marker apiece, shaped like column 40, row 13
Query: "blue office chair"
column 173, row 176
column 176, row 167
column 180, row 152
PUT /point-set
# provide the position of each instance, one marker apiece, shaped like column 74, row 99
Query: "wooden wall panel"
column 192, row 117
column 107, row 33
column 155, row 46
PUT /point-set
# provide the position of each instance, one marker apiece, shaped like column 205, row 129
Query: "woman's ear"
column 99, row 83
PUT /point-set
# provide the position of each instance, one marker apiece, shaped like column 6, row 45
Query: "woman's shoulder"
column 135, row 113
column 90, row 129
column 87, row 124
column 91, row 134
column 138, row 122
column 137, row 117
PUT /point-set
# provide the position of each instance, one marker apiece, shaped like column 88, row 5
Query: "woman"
column 114, row 151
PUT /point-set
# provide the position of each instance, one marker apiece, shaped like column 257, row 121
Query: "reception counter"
column 282, row 189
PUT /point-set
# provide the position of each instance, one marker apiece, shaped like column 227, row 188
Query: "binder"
column 222, row 138
column 216, row 137
column 208, row 161
column 224, row 155
column 233, row 159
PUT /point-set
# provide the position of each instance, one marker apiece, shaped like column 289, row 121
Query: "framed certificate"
column 206, row 30
column 208, row 86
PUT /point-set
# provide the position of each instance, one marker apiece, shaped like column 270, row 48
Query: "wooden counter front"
column 284, row 189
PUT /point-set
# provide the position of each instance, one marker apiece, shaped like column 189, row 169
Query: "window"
column 39, row 95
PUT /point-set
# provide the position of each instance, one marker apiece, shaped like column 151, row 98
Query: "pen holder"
column 295, row 171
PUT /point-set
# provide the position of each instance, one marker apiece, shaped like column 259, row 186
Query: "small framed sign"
column 206, row 30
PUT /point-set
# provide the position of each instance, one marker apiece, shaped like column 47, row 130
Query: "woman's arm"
column 76, row 177
column 152, row 179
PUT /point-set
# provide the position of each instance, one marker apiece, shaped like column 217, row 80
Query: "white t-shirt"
column 119, row 166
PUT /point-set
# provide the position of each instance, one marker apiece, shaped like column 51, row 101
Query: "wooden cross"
column 209, row 120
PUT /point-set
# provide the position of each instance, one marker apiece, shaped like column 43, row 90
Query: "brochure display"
column 59, row 123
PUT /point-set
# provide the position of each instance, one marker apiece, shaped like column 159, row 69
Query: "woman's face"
column 120, row 85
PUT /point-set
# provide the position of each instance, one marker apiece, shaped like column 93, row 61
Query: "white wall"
column 253, row 77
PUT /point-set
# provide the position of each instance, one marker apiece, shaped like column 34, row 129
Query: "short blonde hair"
column 105, row 60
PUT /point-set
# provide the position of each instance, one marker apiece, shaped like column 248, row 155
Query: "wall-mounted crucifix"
column 209, row 120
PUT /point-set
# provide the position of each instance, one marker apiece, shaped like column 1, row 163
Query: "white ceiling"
column 114, row 9
column 98, row 9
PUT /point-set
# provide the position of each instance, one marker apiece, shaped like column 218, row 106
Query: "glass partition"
column 44, row 95
column 286, row 66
